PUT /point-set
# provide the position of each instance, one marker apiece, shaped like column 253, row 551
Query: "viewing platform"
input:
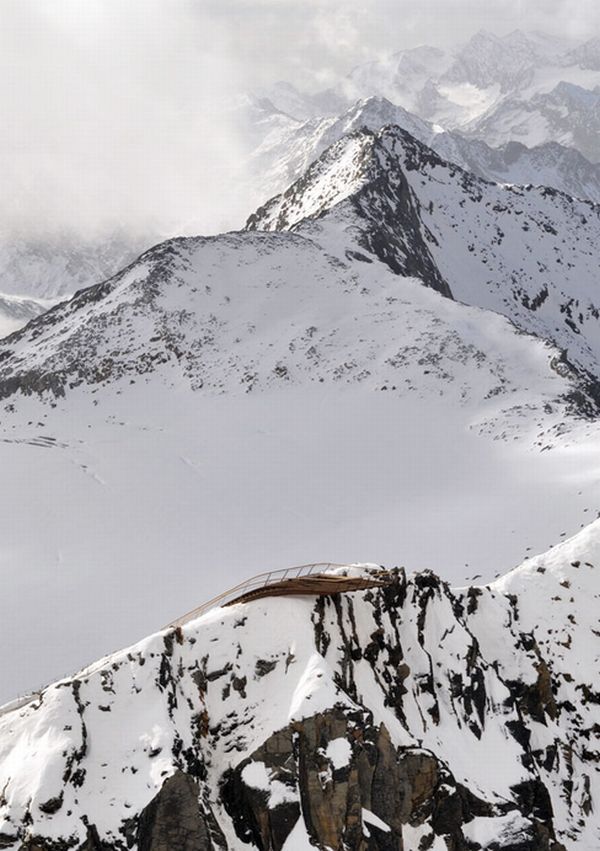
column 307, row 580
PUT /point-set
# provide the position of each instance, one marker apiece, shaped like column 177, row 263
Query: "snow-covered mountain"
column 57, row 265
column 568, row 114
column 407, row 716
column 16, row 311
column 548, row 164
column 526, row 252
column 286, row 151
column 287, row 147
column 395, row 354
column 524, row 86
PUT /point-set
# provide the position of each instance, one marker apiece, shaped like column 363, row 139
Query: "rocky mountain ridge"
column 373, row 210
column 285, row 148
column 525, row 252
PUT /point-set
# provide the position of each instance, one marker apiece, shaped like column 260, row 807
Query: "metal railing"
column 261, row 580
column 19, row 702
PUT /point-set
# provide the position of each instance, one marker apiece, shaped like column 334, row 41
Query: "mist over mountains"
column 498, row 89
column 521, row 108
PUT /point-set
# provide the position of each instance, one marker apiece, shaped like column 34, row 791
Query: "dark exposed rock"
column 399, row 786
column 52, row 805
column 175, row 819
column 254, row 820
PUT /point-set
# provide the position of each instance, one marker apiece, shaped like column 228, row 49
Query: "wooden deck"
column 307, row 579
column 314, row 586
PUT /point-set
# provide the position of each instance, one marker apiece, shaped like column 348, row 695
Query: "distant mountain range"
column 524, row 87
column 519, row 109
column 58, row 264
column 16, row 311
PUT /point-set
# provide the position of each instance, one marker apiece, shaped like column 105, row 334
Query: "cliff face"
column 408, row 717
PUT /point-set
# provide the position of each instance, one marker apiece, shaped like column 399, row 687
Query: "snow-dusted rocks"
column 410, row 716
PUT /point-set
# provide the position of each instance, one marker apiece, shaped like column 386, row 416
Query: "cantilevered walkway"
column 308, row 579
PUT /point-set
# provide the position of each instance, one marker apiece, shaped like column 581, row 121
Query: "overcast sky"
column 113, row 109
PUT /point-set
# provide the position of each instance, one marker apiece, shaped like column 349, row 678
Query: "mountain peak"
column 586, row 55
column 484, row 37
column 364, row 175
column 391, row 196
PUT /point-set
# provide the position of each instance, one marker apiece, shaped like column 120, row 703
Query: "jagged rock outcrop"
column 339, row 772
column 175, row 819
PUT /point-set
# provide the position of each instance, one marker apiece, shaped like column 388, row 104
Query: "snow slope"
column 250, row 311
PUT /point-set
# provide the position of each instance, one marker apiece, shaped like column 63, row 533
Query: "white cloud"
column 115, row 113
